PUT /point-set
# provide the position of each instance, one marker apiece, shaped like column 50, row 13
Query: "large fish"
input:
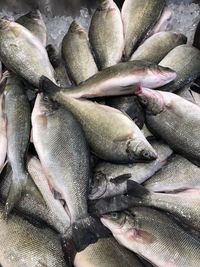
column 156, row 47
column 106, row 34
column 106, row 252
column 177, row 174
column 77, row 55
column 23, row 53
column 22, row 244
column 119, row 79
column 185, row 60
column 18, row 120
column 174, row 119
column 33, row 21
column 154, row 236
column 62, row 149
column 111, row 135
column 139, row 16
column 111, row 179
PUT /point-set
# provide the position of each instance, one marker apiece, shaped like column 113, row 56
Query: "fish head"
column 99, row 186
column 157, row 76
column 152, row 100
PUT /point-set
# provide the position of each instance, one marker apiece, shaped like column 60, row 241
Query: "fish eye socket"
column 45, row 98
column 144, row 101
column 115, row 215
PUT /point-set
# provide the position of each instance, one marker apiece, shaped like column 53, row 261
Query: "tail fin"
column 47, row 86
column 136, row 190
column 53, row 55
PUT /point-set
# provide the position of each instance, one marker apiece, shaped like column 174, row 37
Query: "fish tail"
column 17, row 188
column 136, row 190
column 47, row 86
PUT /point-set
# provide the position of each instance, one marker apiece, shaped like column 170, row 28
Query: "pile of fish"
column 99, row 143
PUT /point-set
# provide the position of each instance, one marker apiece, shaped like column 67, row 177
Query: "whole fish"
column 156, row 47
column 111, row 135
column 154, row 236
column 23, row 53
column 111, row 179
column 57, row 150
column 18, row 120
column 22, row 244
column 33, row 21
column 196, row 42
column 177, row 174
column 185, row 60
column 3, row 135
column 174, row 119
column 77, row 55
column 106, row 252
column 61, row 76
column 106, row 34
column 184, row 205
column 138, row 18
column 119, row 79
column 129, row 105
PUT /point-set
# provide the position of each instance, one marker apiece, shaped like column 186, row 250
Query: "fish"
column 156, row 47
column 61, row 75
column 111, row 179
column 18, row 123
column 196, row 41
column 154, row 236
column 77, row 54
column 139, row 17
column 184, row 205
column 118, row 139
column 129, row 105
column 177, row 174
column 106, row 34
column 33, row 21
column 172, row 117
column 106, row 252
column 120, row 79
column 69, row 182
column 185, row 60
column 22, row 53
column 26, row 245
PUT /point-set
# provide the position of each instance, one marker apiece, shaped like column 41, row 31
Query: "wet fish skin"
column 154, row 236
column 77, row 55
column 42, row 245
column 172, row 117
column 156, row 47
column 120, row 79
column 138, row 18
column 123, row 142
column 129, row 105
column 106, row 252
column 185, row 60
column 28, row 57
column 18, row 120
column 111, row 179
column 33, row 21
column 186, row 176
column 106, row 34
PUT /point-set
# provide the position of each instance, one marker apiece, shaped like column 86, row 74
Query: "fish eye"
column 144, row 101
column 45, row 98
column 115, row 215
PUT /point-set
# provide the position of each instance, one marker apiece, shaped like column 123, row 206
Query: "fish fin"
column 17, row 188
column 141, row 236
column 136, row 190
column 121, row 178
column 47, row 86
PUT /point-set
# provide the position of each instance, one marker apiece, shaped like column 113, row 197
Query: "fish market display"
column 99, row 134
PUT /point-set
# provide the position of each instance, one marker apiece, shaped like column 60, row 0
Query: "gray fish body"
column 177, row 174
column 106, row 252
column 129, row 105
column 23, row 53
column 156, row 47
column 77, row 55
column 106, row 34
column 185, row 60
column 33, row 22
column 154, row 236
column 23, row 245
column 138, row 18
column 117, row 139
column 18, row 117
column 108, row 178
column 63, row 154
